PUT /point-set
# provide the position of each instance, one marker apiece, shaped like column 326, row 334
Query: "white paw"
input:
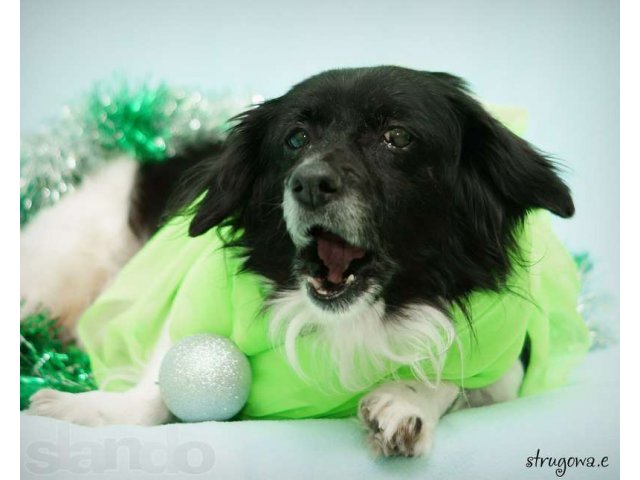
column 99, row 408
column 397, row 422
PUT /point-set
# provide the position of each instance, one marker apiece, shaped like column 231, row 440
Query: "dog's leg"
column 142, row 405
column 505, row 389
column 402, row 416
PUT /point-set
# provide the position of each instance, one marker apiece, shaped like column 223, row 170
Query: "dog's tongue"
column 337, row 255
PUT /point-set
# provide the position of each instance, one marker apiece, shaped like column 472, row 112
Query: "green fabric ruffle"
column 192, row 285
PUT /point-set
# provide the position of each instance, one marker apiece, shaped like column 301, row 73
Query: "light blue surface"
column 558, row 59
column 491, row 443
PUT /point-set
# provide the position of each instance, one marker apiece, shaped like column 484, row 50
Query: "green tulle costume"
column 193, row 286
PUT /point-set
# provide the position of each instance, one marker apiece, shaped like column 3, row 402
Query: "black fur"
column 156, row 183
column 443, row 211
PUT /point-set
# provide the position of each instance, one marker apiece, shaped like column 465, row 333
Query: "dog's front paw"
column 63, row 406
column 99, row 408
column 397, row 424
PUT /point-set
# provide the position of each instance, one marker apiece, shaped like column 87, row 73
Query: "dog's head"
column 378, row 183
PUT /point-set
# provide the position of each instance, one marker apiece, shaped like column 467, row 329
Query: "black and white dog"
column 373, row 199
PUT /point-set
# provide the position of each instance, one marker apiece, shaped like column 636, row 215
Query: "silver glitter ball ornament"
column 205, row 377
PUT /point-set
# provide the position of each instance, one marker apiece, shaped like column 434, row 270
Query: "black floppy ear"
column 231, row 177
column 522, row 177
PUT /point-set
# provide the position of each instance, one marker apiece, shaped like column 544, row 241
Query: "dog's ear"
column 521, row 177
column 230, row 178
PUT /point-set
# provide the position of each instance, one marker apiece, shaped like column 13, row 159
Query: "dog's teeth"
column 350, row 279
column 314, row 282
column 322, row 291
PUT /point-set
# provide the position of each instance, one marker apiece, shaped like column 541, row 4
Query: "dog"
column 374, row 199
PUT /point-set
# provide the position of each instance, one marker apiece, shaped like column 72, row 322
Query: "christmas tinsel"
column 148, row 122
column 47, row 362
column 595, row 307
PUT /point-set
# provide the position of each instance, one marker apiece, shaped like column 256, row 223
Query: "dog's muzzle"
column 325, row 222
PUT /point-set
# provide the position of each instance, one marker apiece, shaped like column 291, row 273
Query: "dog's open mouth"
column 333, row 267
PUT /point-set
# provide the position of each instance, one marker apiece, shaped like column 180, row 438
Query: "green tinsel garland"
column 147, row 122
column 47, row 362
column 596, row 308
column 132, row 121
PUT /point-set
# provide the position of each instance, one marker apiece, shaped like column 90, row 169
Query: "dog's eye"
column 397, row 137
column 298, row 139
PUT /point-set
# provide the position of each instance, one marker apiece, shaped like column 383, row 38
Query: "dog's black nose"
column 315, row 184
